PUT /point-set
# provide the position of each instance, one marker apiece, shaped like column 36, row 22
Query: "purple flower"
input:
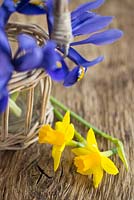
column 31, row 56
column 92, row 25
column 6, row 69
column 27, row 7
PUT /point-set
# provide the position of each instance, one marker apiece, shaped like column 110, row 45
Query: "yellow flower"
column 90, row 160
column 63, row 133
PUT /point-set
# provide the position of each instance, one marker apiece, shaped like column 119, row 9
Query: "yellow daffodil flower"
column 90, row 160
column 63, row 134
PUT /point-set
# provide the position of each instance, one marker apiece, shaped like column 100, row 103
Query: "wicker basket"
column 34, row 90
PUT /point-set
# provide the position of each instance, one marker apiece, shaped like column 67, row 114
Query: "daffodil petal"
column 66, row 118
column 66, row 129
column 69, row 134
column 80, row 151
column 108, row 165
column 56, row 154
column 91, row 140
column 97, row 176
column 59, row 126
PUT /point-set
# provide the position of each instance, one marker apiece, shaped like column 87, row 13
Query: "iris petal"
column 6, row 9
column 105, row 37
column 59, row 74
column 92, row 25
column 85, row 7
column 31, row 60
column 9, row 5
column 3, row 100
column 6, row 69
column 31, row 9
column 82, row 18
column 4, row 44
column 4, row 16
column 26, row 42
column 50, row 56
column 78, row 59
column 72, row 77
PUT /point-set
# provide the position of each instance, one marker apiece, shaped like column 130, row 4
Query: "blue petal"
column 82, row 18
column 4, row 44
column 29, row 61
column 79, row 60
column 6, row 9
column 4, row 16
column 26, row 42
column 72, row 77
column 9, row 5
column 85, row 7
column 105, row 37
column 50, row 56
column 92, row 25
column 6, row 69
column 59, row 74
column 3, row 100
column 31, row 9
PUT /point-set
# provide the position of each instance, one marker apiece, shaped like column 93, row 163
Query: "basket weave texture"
column 34, row 88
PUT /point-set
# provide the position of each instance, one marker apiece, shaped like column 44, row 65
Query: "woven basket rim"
column 19, row 79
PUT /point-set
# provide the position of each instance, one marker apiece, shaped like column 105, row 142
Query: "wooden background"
column 105, row 98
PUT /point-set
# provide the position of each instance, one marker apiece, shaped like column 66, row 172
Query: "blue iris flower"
column 6, row 69
column 27, row 7
column 84, row 22
column 31, row 56
column 6, row 9
column 28, row 55
column 31, row 7
column 78, row 72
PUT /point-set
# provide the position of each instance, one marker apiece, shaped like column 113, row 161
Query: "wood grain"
column 105, row 98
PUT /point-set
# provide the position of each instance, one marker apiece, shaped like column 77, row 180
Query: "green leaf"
column 14, row 108
column 121, row 153
column 14, row 96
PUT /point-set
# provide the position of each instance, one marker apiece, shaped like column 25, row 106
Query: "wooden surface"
column 106, row 99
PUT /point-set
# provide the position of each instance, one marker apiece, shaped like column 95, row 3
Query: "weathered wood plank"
column 105, row 98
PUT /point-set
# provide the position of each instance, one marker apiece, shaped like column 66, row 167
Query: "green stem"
column 14, row 108
column 75, row 144
column 109, row 152
column 77, row 134
column 83, row 121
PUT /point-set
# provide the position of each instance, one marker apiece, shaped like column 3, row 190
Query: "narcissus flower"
column 90, row 160
column 58, row 137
